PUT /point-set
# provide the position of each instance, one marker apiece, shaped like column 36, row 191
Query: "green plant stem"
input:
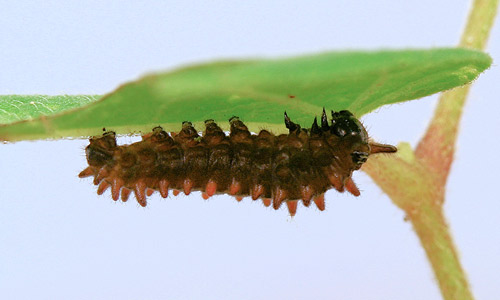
column 416, row 181
column 437, row 147
column 432, row 229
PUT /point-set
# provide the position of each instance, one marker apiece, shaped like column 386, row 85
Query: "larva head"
column 101, row 148
column 353, row 135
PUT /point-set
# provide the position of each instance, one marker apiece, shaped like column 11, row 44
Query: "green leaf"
column 15, row 108
column 259, row 91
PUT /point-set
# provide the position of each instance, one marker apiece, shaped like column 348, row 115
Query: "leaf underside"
column 258, row 91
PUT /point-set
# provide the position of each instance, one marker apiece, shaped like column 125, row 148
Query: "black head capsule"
column 292, row 127
column 345, row 124
column 324, row 121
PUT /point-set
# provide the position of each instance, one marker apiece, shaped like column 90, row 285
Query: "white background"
column 59, row 240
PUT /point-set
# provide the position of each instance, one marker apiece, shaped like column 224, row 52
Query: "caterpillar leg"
column 292, row 207
column 351, row 187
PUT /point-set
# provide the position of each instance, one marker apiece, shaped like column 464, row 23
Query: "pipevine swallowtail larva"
column 300, row 165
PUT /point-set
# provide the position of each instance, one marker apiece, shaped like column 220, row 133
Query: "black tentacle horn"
column 324, row 121
column 292, row 127
column 315, row 127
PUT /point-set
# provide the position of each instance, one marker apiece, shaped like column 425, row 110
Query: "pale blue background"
column 59, row 240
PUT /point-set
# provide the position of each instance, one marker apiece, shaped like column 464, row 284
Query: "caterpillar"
column 300, row 165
